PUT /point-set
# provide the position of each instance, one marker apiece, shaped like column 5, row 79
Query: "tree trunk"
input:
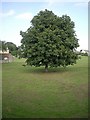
column 46, row 68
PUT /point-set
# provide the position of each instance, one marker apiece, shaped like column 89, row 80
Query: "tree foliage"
column 20, row 52
column 3, row 46
column 50, row 41
column 12, row 48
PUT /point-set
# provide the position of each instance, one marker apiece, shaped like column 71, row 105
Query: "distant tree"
column 50, row 41
column 3, row 46
column 84, row 52
column 12, row 48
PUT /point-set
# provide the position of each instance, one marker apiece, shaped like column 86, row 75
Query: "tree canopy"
column 50, row 41
column 3, row 46
column 12, row 48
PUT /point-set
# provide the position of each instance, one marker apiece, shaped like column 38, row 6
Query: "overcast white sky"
column 16, row 16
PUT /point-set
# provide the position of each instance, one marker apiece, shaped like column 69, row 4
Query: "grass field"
column 29, row 92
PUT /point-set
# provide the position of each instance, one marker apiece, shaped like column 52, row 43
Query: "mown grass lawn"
column 29, row 92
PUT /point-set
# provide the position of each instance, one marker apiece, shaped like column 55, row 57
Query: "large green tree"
column 20, row 52
column 50, row 41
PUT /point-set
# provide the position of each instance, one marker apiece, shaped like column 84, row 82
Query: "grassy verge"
column 29, row 92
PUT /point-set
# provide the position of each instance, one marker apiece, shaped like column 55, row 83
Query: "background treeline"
column 13, row 49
